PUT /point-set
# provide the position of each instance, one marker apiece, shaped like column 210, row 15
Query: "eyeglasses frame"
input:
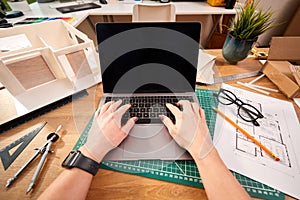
column 241, row 105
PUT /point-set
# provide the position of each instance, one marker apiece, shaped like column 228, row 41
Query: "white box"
column 45, row 62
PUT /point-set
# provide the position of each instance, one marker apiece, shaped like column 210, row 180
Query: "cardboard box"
column 279, row 73
column 283, row 51
column 285, row 48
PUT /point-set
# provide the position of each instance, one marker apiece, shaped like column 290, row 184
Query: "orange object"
column 216, row 2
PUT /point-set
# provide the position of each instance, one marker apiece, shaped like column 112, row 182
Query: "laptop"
column 148, row 64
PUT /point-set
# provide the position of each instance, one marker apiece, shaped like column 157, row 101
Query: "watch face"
column 76, row 159
column 69, row 160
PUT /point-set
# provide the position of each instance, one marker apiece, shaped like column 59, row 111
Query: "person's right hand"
column 190, row 130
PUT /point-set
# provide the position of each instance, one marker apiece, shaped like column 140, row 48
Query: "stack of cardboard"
column 284, row 53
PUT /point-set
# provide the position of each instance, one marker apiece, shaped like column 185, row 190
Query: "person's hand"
column 190, row 130
column 106, row 132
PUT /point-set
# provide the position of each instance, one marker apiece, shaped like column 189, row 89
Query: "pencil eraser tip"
column 277, row 159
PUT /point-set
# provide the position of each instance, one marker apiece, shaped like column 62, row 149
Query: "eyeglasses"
column 246, row 111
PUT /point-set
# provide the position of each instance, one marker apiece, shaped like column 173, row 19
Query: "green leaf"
column 250, row 22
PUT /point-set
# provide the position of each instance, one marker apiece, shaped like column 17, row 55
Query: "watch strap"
column 87, row 164
column 78, row 160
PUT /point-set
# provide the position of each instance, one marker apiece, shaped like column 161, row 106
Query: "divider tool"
column 44, row 150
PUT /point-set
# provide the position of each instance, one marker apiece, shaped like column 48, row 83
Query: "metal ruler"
column 8, row 159
column 236, row 76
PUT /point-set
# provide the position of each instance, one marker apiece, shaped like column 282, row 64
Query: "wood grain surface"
column 106, row 184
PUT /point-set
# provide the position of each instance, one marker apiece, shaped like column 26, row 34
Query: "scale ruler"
column 236, row 76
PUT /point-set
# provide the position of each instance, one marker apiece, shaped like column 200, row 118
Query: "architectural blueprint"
column 279, row 131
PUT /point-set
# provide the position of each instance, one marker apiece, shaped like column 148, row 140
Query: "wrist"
column 213, row 158
column 76, row 159
column 84, row 150
column 200, row 154
column 201, row 146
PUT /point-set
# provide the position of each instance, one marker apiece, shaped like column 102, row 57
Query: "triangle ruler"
column 8, row 159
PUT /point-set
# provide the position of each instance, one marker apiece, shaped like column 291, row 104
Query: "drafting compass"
column 43, row 150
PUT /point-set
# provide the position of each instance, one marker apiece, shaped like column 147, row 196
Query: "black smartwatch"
column 78, row 160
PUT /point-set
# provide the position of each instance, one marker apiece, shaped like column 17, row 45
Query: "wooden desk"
column 106, row 184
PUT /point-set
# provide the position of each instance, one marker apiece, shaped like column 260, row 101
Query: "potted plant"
column 2, row 9
column 249, row 23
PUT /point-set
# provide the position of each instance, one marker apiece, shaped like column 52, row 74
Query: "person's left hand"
column 106, row 132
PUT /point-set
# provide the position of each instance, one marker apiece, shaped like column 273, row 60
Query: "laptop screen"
column 148, row 57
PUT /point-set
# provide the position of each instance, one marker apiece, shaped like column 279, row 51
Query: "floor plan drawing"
column 268, row 133
column 278, row 131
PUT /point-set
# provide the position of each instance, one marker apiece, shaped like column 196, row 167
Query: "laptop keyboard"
column 148, row 108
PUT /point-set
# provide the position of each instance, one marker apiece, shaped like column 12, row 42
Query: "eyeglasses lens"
column 248, row 113
column 225, row 97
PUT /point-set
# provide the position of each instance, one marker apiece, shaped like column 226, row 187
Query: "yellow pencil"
column 270, row 153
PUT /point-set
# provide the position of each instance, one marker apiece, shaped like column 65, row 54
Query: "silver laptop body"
column 147, row 65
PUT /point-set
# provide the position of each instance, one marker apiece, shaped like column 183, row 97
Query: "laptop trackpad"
column 149, row 141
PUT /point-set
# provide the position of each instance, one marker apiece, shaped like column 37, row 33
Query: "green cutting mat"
column 184, row 172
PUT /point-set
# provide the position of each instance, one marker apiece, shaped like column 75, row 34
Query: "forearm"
column 105, row 134
column 72, row 183
column 218, row 181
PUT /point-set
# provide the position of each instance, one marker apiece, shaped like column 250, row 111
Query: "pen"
column 270, row 153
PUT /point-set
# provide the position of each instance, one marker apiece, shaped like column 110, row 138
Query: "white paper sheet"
column 279, row 131
column 205, row 73
column 297, row 101
column 14, row 42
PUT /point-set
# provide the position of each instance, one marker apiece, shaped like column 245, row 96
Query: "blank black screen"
column 148, row 57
